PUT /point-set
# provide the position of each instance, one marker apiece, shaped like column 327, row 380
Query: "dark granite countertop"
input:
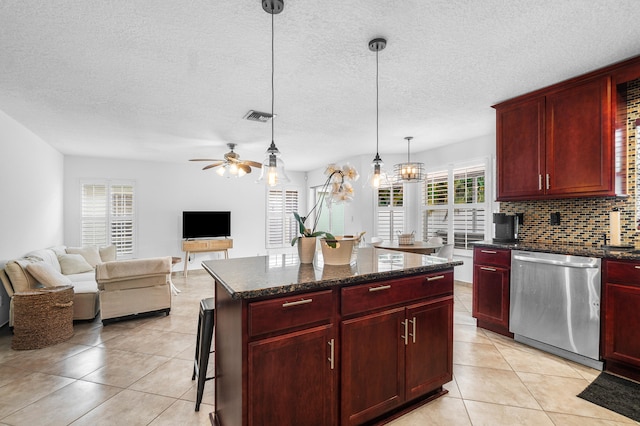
column 569, row 249
column 260, row 276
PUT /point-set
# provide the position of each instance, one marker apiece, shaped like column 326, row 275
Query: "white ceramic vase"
column 306, row 249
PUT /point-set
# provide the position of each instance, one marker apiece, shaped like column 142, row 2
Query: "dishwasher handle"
column 555, row 262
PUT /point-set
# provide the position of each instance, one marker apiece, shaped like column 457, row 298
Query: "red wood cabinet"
column 347, row 355
column 393, row 356
column 491, row 289
column 557, row 144
column 621, row 318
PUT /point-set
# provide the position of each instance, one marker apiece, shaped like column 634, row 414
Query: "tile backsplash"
column 584, row 221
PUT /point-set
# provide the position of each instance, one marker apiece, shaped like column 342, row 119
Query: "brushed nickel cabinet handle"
column 405, row 336
column 484, row 268
column 413, row 325
column 637, row 266
column 539, row 182
column 296, row 303
column 489, row 251
column 437, row 277
column 548, row 181
column 332, row 353
column 382, row 287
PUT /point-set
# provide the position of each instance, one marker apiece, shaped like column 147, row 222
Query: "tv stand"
column 201, row 246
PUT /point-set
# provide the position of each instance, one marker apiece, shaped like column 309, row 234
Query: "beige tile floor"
column 138, row 372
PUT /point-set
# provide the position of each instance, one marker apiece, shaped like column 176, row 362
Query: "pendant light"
column 377, row 176
column 273, row 167
column 409, row 172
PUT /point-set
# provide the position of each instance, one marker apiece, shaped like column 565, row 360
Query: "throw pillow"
column 47, row 275
column 73, row 264
column 21, row 279
column 90, row 254
column 108, row 253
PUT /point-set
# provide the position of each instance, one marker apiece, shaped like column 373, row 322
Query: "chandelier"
column 410, row 171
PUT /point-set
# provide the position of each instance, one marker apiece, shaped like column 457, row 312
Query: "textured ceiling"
column 171, row 80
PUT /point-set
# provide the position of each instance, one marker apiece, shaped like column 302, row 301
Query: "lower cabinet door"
column 622, row 324
column 372, row 365
column 429, row 358
column 491, row 295
column 292, row 379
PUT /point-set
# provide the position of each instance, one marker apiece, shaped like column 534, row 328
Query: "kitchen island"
column 314, row 344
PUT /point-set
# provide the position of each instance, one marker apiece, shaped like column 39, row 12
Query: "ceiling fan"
column 231, row 164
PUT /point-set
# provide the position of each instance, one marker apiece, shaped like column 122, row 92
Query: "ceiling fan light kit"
column 273, row 173
column 232, row 165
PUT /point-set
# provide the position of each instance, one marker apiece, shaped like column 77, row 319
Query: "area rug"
column 616, row 394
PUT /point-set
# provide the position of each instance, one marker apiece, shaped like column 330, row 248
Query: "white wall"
column 31, row 185
column 163, row 191
column 31, row 191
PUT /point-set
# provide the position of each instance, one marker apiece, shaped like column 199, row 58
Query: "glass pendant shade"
column 378, row 177
column 273, row 173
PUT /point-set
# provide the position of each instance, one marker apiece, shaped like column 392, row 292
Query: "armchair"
column 130, row 287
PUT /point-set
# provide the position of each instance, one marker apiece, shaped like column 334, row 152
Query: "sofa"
column 77, row 266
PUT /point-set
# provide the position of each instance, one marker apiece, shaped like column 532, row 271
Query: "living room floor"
column 138, row 372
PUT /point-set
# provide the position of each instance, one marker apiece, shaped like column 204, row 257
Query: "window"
column 454, row 205
column 390, row 211
column 281, row 224
column 108, row 216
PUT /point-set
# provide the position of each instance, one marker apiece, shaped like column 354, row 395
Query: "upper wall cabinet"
column 557, row 143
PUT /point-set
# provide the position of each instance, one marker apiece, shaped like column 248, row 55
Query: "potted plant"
column 336, row 189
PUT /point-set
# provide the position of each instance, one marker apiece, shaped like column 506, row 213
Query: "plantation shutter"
column 435, row 197
column 281, row 224
column 108, row 216
column 94, row 215
column 390, row 219
column 469, row 190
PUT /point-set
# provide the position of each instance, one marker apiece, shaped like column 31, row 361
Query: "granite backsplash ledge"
column 583, row 221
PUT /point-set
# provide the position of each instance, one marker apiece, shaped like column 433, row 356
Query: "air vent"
column 262, row 117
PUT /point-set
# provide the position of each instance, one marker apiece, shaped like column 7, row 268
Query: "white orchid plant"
column 335, row 190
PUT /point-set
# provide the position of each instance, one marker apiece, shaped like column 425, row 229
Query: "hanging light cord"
column 377, row 103
column 272, row 73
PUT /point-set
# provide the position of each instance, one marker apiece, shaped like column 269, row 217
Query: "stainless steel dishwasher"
column 555, row 304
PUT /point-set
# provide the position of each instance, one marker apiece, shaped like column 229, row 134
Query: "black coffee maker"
column 506, row 226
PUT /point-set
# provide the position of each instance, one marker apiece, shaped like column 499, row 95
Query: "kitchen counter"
column 332, row 345
column 261, row 276
column 568, row 249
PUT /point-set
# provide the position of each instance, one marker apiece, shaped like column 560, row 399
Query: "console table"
column 201, row 246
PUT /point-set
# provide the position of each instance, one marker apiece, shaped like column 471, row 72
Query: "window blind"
column 108, row 216
column 281, row 224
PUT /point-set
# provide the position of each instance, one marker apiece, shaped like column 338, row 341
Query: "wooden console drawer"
column 366, row 297
column 290, row 312
column 622, row 272
column 491, row 256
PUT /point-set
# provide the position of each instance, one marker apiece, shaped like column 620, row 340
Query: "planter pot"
column 342, row 254
column 306, row 249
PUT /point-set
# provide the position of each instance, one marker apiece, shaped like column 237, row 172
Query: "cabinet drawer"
column 622, row 272
column 376, row 295
column 287, row 313
column 491, row 256
column 194, row 245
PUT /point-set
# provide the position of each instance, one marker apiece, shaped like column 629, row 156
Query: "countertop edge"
column 324, row 284
column 566, row 249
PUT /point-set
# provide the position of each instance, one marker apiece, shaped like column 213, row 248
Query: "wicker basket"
column 42, row 317
column 406, row 239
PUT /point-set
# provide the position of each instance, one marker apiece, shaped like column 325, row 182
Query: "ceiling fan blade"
column 244, row 167
column 205, row 159
column 213, row 165
column 253, row 164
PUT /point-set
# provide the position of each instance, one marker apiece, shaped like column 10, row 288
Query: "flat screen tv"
column 206, row 224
